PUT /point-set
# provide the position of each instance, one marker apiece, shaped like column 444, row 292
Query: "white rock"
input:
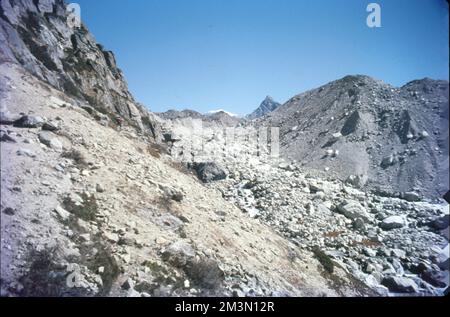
column 393, row 222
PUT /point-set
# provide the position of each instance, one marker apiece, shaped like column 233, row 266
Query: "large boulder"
column 393, row 222
column 29, row 122
column 400, row 284
column 179, row 254
column 49, row 139
column 209, row 171
column 352, row 210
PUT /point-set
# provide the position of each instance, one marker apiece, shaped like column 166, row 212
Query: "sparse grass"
column 92, row 260
column 102, row 258
column 156, row 150
column 324, row 259
column 161, row 275
column 333, row 234
column 182, row 168
column 86, row 211
column 367, row 243
column 204, row 273
column 37, row 282
column 76, row 156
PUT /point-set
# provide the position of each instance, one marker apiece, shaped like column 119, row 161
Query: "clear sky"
column 230, row 54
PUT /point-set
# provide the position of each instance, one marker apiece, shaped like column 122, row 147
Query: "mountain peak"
column 268, row 105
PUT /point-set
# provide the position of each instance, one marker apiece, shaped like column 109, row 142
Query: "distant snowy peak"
column 267, row 106
column 222, row 111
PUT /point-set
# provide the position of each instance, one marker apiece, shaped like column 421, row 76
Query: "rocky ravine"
column 38, row 35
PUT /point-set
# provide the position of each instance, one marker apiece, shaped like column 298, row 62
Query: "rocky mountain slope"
column 88, row 210
column 158, row 206
column 267, row 106
column 376, row 136
column 38, row 36
column 393, row 245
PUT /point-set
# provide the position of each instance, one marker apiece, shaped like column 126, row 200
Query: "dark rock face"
column 38, row 36
column 267, row 106
column 400, row 284
column 396, row 139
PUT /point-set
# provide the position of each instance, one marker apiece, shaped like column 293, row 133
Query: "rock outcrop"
column 40, row 36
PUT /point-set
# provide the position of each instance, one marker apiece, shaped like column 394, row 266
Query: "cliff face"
column 40, row 36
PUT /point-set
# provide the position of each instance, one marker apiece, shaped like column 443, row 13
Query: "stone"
column 50, row 126
column 61, row 212
column 441, row 222
column 128, row 284
column 352, row 210
column 49, row 139
column 436, row 278
column 112, row 237
column 26, row 152
column 209, row 171
column 370, row 252
column 388, row 161
column 172, row 193
column 86, row 237
column 393, row 222
column 9, row 211
column 99, row 188
column 7, row 138
column 400, row 284
column 398, row 253
column 204, row 272
column 358, row 224
column 411, row 196
column 178, row 254
column 29, row 122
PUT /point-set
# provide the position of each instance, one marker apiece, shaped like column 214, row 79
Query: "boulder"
column 178, row 254
column 49, row 139
column 352, row 210
column 26, row 152
column 411, row 196
column 436, row 278
column 50, row 126
column 400, row 284
column 5, row 137
column 209, row 171
column 393, row 222
column 172, row 193
column 29, row 122
column 441, row 222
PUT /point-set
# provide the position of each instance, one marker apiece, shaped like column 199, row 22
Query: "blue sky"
column 230, row 54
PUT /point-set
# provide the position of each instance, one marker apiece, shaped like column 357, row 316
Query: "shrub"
column 76, row 156
column 324, row 259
